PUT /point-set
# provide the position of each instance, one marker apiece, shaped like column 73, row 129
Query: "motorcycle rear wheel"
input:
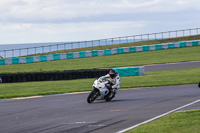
column 108, row 98
column 93, row 95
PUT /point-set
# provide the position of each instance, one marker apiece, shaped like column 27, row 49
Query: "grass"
column 179, row 122
column 119, row 60
column 148, row 42
column 152, row 78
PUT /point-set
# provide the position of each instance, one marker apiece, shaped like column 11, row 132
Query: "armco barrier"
column 95, row 53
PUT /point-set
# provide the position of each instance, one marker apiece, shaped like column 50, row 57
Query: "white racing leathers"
column 116, row 81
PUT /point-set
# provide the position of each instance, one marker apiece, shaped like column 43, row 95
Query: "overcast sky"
column 35, row 21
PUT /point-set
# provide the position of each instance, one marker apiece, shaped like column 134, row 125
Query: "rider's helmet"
column 112, row 74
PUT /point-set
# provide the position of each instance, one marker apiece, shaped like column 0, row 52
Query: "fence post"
column 71, row 45
column 112, row 41
column 12, row 52
column 99, row 42
column 42, row 49
column 4, row 53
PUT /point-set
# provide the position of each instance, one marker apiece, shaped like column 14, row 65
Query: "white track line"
column 158, row 116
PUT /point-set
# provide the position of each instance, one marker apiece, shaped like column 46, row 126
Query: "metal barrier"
column 94, row 53
column 101, row 42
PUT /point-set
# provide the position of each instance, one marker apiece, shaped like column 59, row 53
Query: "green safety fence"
column 132, row 49
column 2, row 61
column 171, row 45
column 182, row 44
column 43, row 58
column 69, row 55
column 120, row 50
column 29, row 60
column 158, row 46
column 15, row 60
column 195, row 43
column 95, row 53
column 107, row 51
column 81, row 54
column 56, row 56
column 145, row 48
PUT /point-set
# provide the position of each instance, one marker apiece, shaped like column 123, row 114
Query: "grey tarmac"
column 170, row 66
column 70, row 113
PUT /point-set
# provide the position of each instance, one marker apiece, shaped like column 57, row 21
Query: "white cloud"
column 67, row 31
column 71, row 20
column 52, row 10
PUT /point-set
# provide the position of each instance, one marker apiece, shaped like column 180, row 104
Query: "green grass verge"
column 119, row 60
column 152, row 78
column 179, row 122
column 158, row 41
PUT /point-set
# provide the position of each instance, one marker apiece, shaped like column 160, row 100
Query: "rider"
column 114, row 81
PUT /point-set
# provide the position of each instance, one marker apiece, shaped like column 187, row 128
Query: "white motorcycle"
column 100, row 91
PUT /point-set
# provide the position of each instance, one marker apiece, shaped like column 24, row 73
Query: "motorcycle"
column 100, row 91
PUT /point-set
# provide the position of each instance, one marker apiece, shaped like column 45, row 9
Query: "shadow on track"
column 117, row 100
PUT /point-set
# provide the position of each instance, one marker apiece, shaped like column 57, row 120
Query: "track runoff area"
column 159, row 116
column 71, row 113
column 168, row 66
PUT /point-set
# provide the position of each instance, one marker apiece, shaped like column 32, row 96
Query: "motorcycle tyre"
column 199, row 84
column 91, row 95
column 108, row 99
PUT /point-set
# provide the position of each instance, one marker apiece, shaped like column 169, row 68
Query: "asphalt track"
column 170, row 66
column 70, row 113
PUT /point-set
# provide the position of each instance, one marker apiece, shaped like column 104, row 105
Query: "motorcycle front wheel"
column 93, row 95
